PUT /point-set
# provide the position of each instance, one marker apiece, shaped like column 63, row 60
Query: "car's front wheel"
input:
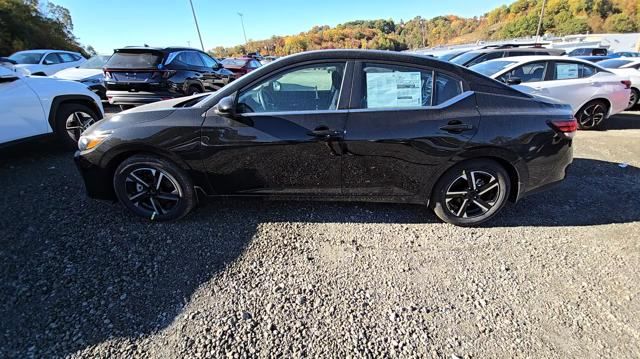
column 471, row 192
column 71, row 120
column 154, row 188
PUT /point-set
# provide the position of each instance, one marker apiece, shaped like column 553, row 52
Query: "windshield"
column 135, row 60
column 613, row 64
column 450, row 55
column 464, row 58
column 234, row 62
column 26, row 57
column 95, row 62
column 490, row 68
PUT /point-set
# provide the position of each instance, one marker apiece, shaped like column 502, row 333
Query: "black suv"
column 490, row 52
column 139, row 75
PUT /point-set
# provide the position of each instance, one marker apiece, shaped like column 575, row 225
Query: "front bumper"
column 137, row 98
column 98, row 183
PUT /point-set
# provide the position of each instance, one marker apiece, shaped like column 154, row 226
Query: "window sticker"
column 566, row 71
column 394, row 89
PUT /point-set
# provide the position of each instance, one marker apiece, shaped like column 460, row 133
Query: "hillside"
column 519, row 19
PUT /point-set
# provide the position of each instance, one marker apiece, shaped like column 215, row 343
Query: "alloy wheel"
column 77, row 123
column 591, row 116
column 152, row 190
column 472, row 194
column 633, row 98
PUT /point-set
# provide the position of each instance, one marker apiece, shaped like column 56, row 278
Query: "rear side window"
column 388, row 86
column 134, row 60
column 526, row 53
column 572, row 70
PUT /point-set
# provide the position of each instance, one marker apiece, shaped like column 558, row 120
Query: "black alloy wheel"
column 592, row 115
column 71, row 121
column 633, row 98
column 154, row 188
column 471, row 192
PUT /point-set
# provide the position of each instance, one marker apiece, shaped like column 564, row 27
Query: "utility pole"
column 422, row 28
column 193, row 11
column 242, row 23
column 540, row 21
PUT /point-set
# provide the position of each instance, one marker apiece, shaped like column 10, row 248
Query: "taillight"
column 566, row 127
column 107, row 75
column 626, row 83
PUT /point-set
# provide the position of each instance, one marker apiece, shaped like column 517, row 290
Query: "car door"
column 212, row 79
column 52, row 63
column 282, row 136
column 405, row 124
column 568, row 83
column 22, row 113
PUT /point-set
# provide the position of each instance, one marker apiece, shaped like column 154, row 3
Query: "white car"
column 626, row 66
column 593, row 92
column 89, row 73
column 46, row 62
column 35, row 106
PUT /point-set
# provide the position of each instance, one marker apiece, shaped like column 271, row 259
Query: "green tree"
column 620, row 23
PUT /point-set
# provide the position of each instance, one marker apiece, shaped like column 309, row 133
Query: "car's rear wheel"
column 153, row 187
column 592, row 115
column 71, row 120
column 633, row 98
column 471, row 192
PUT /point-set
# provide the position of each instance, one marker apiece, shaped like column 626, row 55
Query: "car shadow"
column 622, row 121
column 79, row 272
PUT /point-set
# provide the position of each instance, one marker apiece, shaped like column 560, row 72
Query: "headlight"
column 91, row 81
column 92, row 140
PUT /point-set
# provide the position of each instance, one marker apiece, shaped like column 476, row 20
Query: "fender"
column 58, row 100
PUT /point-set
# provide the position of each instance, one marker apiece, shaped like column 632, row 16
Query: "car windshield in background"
column 464, row 58
column 234, row 62
column 26, row 57
column 614, row 64
column 450, row 55
column 95, row 62
column 491, row 67
column 134, row 60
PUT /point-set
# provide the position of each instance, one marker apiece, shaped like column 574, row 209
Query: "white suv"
column 46, row 62
column 35, row 106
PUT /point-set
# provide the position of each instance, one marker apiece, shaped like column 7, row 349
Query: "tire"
column 633, row 98
column 135, row 182
column 452, row 201
column 592, row 115
column 71, row 120
column 192, row 90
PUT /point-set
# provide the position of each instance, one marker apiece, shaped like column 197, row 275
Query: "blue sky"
column 116, row 23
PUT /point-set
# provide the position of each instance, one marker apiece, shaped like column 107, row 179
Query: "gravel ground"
column 555, row 276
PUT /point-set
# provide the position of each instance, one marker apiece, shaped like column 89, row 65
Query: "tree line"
column 519, row 19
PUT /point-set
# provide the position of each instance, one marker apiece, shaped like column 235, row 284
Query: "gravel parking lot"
column 555, row 276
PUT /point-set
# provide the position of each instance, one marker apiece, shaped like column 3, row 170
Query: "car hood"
column 77, row 74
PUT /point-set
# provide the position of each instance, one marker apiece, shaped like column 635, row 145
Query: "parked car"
column 89, row 73
column 46, row 62
column 589, row 51
column 336, row 124
column 627, row 67
column 241, row 66
column 627, row 54
column 34, row 106
column 448, row 56
column 268, row 59
column 595, row 59
column 471, row 58
column 139, row 75
column 593, row 92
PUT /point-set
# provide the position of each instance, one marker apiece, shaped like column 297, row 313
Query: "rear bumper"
column 548, row 171
column 97, row 182
column 137, row 98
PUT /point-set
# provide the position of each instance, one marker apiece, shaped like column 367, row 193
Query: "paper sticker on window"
column 394, row 89
column 566, row 71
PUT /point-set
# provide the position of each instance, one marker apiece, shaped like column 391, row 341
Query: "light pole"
column 242, row 23
column 196, row 21
column 540, row 21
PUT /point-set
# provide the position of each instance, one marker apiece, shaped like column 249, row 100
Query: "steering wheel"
column 266, row 96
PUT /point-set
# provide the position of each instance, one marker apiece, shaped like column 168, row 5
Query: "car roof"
column 523, row 59
column 161, row 49
column 534, row 49
column 42, row 51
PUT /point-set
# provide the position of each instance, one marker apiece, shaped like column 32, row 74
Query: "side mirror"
column 514, row 81
column 225, row 107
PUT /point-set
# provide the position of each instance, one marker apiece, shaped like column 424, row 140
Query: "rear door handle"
column 456, row 126
column 324, row 133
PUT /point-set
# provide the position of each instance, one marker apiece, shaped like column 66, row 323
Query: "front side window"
column 190, row 58
column 396, row 86
column 308, row 88
column 447, row 88
column 66, row 57
column 532, row 72
column 209, row 62
column 51, row 59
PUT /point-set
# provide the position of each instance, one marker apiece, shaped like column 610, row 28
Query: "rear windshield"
column 134, row 60
column 234, row 62
column 613, row 64
column 26, row 57
column 491, row 67
column 466, row 57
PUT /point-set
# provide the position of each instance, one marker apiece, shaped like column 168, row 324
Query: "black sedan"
column 334, row 125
